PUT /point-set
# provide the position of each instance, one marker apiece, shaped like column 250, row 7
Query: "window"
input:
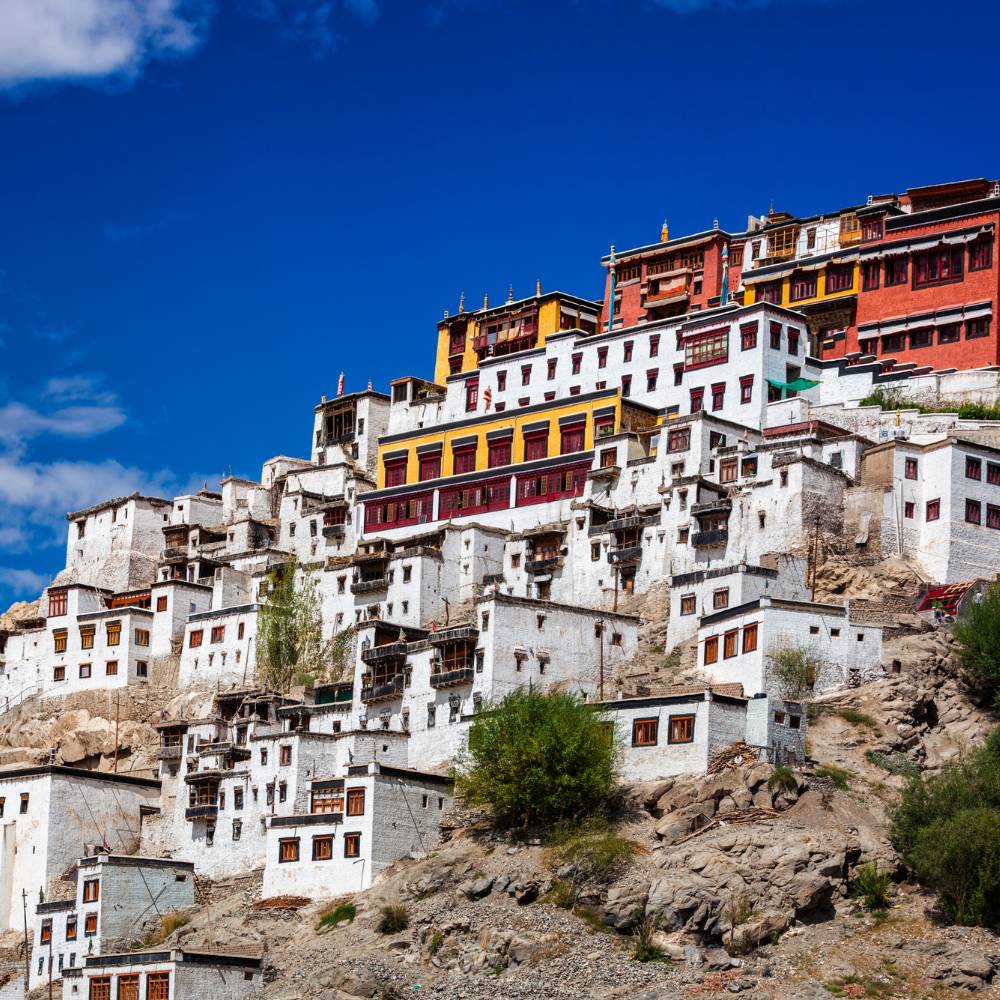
column 218, row 633
column 718, row 395
column 746, row 388
column 114, row 633
column 936, row 267
column 46, row 934
column 626, row 385
column 91, row 889
column 536, row 447
column 681, row 728
column 802, row 286
column 71, row 928
column 322, row 848
column 728, row 469
column 933, row 510
column 525, row 374
column 498, row 454
column 111, row 668
column 896, row 270
column 288, row 850
column 921, row 338
column 352, row 845
column 501, row 381
column 730, row 646
column 688, row 604
column 431, row 716
column 776, row 336
column 627, row 351
column 909, row 509
column 711, row 649
column 240, row 629
column 59, row 640
column 464, row 461
column 355, row 802
column 750, row 638
column 993, row 473
column 85, row 671
column 910, row 468
column 395, row 473
column 950, row 333
column 128, row 987
column 980, row 255
column 770, row 291
column 973, row 512
column 195, row 637
column 602, row 357
column 748, row 336
column 871, row 229
column 710, row 348
column 644, row 732
column 158, row 986
column 720, row 599
column 100, row 987
column 471, row 394
column 973, row 468
column 90, row 925
column 430, row 467
column 840, row 278
column 654, row 345
column 57, row 603
column 572, row 440
column 550, row 368
column 793, row 341
column 679, row 440
column 285, row 754
column 141, row 668
column 87, row 633
column 697, row 400
column 870, row 274
column 651, row 377
column 975, row 328
column 142, row 635
column 992, row 516
column 604, row 427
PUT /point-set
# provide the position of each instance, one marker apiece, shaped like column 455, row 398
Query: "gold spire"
column 510, row 293
column 664, row 232
column 538, row 288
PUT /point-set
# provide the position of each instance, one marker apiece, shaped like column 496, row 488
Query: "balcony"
column 629, row 554
column 175, row 553
column 370, row 586
column 208, row 774
column 542, row 565
column 635, row 521
column 453, row 634
column 604, row 472
column 714, row 536
column 193, row 813
column 383, row 692
column 306, row 819
column 721, row 506
column 386, row 651
column 333, row 531
column 170, row 753
column 451, row 678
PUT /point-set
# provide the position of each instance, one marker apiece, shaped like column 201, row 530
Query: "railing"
column 28, row 691
column 367, row 586
column 201, row 812
column 449, row 678
column 384, row 652
column 453, row 634
column 721, row 506
column 170, row 753
column 716, row 536
column 333, row 530
column 632, row 553
column 635, row 521
column 605, row 472
column 380, row 692
column 542, row 565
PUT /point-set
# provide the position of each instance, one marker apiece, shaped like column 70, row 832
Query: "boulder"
column 624, row 907
column 477, row 888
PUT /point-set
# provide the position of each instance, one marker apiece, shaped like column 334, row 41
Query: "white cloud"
column 76, row 388
column 22, row 582
column 20, row 423
column 46, row 40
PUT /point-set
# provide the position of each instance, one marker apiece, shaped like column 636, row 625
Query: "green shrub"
column 893, row 399
column 169, row 923
column 872, row 886
column 837, row 775
column 894, row 763
column 782, row 779
column 856, row 718
column 437, row 940
column 947, row 829
column 392, row 919
column 562, row 894
column 645, row 950
column 796, row 668
column 538, row 759
column 593, row 849
column 337, row 913
column 978, row 638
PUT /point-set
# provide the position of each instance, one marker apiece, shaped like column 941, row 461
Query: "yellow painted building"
column 789, row 274
column 599, row 414
column 522, row 325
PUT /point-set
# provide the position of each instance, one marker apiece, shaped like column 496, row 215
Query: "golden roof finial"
column 664, row 232
column 510, row 293
column 538, row 288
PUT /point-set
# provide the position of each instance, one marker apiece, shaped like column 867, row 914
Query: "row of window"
column 645, row 732
column 88, row 633
column 974, row 513
column 59, row 601
column 218, row 634
column 933, row 267
column 948, row 333
column 86, row 670
column 289, row 849
column 157, row 986
column 89, row 927
column 731, row 643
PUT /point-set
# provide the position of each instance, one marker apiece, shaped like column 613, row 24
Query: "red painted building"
column 670, row 278
column 928, row 280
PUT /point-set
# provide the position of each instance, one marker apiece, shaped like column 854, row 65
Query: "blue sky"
column 210, row 209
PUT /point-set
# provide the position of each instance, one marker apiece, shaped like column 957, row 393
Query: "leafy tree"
column 538, row 758
column 290, row 644
column 796, row 668
column 947, row 828
column 978, row 637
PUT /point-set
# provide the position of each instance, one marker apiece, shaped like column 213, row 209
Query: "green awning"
column 799, row 385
